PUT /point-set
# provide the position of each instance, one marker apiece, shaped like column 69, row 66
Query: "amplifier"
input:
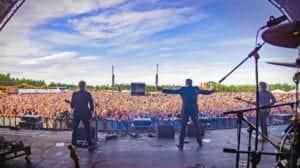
column 166, row 131
column 81, row 136
column 31, row 121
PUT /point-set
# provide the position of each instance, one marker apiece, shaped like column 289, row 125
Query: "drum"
column 286, row 146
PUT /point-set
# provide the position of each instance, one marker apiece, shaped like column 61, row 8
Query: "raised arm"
column 72, row 101
column 171, row 91
column 206, row 92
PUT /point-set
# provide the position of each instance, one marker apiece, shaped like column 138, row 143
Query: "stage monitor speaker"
column 138, row 89
column 142, row 124
column 166, row 131
column 31, row 122
column 191, row 132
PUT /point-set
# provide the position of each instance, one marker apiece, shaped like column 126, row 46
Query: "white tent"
column 278, row 91
column 38, row 91
column 292, row 91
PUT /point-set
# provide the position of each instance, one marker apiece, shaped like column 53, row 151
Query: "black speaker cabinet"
column 166, row 131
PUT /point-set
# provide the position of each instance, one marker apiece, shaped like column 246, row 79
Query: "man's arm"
column 72, row 101
column 91, row 103
column 171, row 91
column 206, row 92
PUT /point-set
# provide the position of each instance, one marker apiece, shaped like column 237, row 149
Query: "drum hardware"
column 295, row 64
column 284, row 35
column 292, row 159
column 255, row 55
column 253, row 156
column 13, row 149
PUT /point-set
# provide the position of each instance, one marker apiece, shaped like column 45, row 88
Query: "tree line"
column 6, row 80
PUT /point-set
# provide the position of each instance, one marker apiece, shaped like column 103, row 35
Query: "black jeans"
column 263, row 115
column 86, row 124
column 185, row 119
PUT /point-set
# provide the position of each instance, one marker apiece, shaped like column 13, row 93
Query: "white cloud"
column 235, row 42
column 64, row 56
column 122, row 31
column 34, row 12
column 132, row 25
column 88, row 58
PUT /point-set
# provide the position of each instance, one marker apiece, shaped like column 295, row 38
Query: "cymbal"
column 287, row 64
column 283, row 35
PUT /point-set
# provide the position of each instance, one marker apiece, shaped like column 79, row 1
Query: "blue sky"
column 202, row 40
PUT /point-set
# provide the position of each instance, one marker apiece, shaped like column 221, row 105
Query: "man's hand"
column 212, row 91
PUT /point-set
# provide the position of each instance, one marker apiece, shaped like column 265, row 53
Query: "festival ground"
column 140, row 152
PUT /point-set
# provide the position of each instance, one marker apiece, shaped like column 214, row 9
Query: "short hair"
column 263, row 85
column 189, row 81
column 82, row 84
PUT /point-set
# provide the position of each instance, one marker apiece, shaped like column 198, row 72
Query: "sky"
column 71, row 40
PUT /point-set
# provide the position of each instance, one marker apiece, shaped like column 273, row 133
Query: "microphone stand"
column 255, row 155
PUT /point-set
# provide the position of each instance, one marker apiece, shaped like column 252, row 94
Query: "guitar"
column 245, row 101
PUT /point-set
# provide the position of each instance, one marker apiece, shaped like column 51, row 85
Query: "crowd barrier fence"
column 209, row 123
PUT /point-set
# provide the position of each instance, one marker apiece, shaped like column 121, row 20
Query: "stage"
column 143, row 151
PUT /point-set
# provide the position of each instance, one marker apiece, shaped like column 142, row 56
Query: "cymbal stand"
column 253, row 156
column 254, row 54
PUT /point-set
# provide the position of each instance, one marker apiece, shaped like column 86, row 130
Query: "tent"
column 292, row 91
column 278, row 91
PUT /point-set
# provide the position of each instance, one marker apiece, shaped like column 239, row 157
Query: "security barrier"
column 112, row 125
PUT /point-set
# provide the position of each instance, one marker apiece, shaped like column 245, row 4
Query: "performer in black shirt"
column 189, row 96
column 266, row 98
column 83, row 106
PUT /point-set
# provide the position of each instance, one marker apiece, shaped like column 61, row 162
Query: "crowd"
column 119, row 105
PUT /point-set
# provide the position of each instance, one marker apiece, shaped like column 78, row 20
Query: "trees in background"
column 7, row 80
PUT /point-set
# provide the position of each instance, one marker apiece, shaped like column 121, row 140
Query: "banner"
column 208, row 85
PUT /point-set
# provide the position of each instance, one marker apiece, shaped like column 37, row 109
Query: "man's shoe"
column 200, row 143
column 180, row 147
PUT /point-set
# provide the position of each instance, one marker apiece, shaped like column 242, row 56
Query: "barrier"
column 111, row 125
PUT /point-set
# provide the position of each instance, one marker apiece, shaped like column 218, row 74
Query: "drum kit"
column 288, row 36
column 285, row 35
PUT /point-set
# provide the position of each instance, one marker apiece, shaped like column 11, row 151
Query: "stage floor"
column 141, row 152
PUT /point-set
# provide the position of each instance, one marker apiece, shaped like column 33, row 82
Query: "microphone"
column 274, row 21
